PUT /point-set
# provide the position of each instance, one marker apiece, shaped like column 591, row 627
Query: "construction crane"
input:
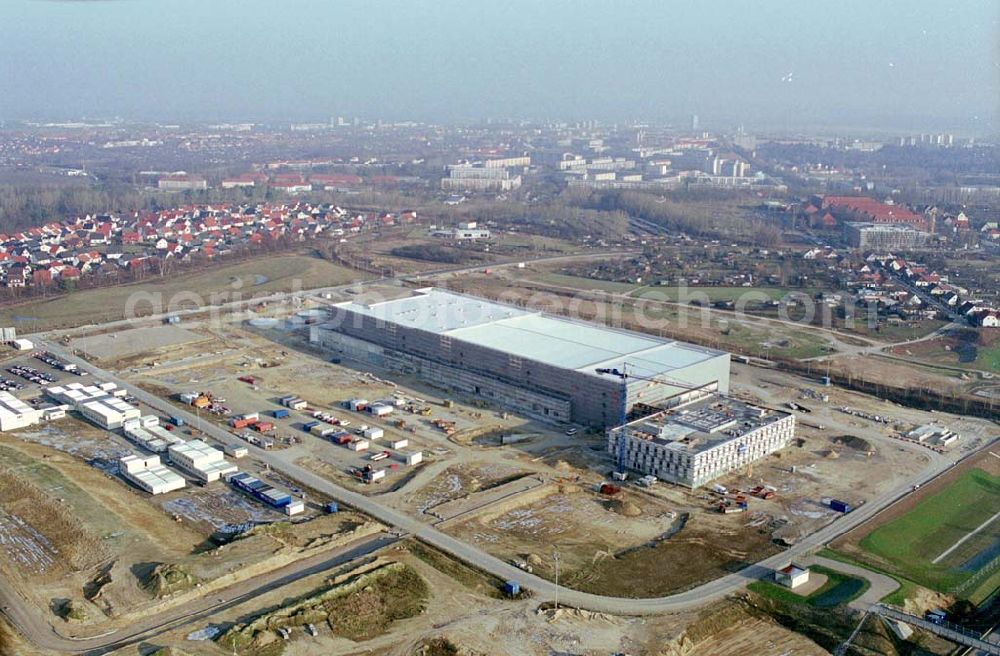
column 625, row 375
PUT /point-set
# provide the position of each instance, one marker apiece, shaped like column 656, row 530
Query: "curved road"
column 282, row 462
column 33, row 625
column 881, row 585
column 37, row 629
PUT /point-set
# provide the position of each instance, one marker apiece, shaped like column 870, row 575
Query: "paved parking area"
column 133, row 342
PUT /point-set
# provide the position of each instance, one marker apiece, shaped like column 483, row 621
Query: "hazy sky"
column 864, row 63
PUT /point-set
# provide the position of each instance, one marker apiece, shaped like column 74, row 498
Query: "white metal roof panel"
column 544, row 338
column 436, row 310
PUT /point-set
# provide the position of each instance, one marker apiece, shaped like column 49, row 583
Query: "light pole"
column 555, row 557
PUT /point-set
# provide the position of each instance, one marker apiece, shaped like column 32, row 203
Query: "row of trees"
column 561, row 218
column 707, row 217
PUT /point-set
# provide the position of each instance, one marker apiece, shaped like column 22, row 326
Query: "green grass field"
column 785, row 342
column 839, row 589
column 988, row 358
column 899, row 332
column 750, row 294
column 911, row 542
column 587, row 284
column 258, row 276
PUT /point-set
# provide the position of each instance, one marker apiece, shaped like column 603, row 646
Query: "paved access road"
column 31, row 622
column 283, row 462
column 36, row 628
column 881, row 585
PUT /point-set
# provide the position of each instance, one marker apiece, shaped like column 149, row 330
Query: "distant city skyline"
column 776, row 64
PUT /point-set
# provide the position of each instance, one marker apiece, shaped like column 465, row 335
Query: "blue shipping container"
column 176, row 421
column 308, row 425
column 512, row 588
column 840, row 506
column 332, row 507
column 260, row 490
column 279, row 414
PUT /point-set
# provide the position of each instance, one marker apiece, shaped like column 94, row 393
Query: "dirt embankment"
column 733, row 629
column 178, row 584
column 40, row 536
column 359, row 606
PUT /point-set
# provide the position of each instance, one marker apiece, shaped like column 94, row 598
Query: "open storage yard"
column 603, row 549
column 82, row 542
column 537, row 495
column 280, row 363
column 80, row 534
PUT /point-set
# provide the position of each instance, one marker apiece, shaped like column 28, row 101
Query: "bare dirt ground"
column 74, row 523
column 480, row 625
column 850, row 458
column 290, row 366
column 582, row 525
column 73, row 531
column 644, row 542
column 749, row 637
column 458, row 481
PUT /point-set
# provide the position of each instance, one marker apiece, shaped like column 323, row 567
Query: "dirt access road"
column 36, row 628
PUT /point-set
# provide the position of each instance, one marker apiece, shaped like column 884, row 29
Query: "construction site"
column 204, row 465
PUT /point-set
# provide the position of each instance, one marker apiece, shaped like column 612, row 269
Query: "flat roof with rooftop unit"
column 149, row 474
column 108, row 412
column 15, row 413
column 536, row 363
column 147, row 433
column 201, row 460
column 698, row 442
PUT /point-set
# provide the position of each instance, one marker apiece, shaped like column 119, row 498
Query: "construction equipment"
column 445, row 426
column 762, row 492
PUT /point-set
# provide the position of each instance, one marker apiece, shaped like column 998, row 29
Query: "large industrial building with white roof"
column 531, row 362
